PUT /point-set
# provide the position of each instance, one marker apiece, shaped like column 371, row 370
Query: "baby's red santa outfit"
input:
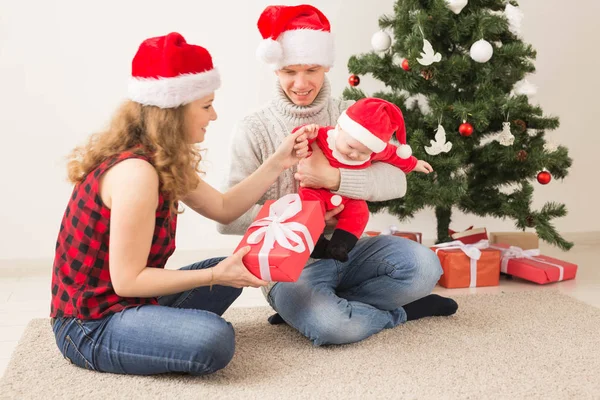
column 372, row 122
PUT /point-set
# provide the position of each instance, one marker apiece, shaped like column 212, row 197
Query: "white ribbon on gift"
column 473, row 251
column 517, row 252
column 274, row 229
column 390, row 230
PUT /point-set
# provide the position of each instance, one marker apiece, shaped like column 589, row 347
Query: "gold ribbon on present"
column 274, row 229
column 473, row 251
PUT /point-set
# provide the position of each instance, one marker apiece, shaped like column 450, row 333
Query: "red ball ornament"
column 544, row 177
column 405, row 65
column 354, row 80
column 465, row 129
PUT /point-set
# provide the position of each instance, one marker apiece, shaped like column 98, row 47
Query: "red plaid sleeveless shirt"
column 81, row 285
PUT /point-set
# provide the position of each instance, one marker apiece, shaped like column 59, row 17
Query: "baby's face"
column 351, row 148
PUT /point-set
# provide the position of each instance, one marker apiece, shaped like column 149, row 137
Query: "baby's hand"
column 311, row 131
column 423, row 166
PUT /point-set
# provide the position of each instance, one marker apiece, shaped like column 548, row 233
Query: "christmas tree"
column 457, row 69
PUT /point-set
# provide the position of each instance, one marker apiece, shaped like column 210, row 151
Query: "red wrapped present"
column 282, row 237
column 470, row 235
column 532, row 266
column 392, row 230
column 468, row 265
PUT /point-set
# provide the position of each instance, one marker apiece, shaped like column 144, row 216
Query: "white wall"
column 64, row 68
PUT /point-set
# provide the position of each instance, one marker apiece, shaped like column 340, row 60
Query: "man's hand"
column 316, row 172
column 330, row 216
column 423, row 166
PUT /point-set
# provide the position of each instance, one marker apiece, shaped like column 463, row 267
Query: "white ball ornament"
column 482, row 51
column 381, row 41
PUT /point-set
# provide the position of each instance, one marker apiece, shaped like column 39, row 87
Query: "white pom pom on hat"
column 404, row 151
column 269, row 51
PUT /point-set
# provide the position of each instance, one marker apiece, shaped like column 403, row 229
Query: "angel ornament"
column 428, row 56
column 505, row 138
column 439, row 145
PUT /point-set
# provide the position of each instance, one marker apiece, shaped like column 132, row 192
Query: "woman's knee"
column 213, row 347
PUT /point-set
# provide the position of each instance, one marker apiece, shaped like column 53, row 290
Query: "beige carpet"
column 537, row 344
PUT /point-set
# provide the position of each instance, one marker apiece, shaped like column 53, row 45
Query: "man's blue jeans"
column 337, row 303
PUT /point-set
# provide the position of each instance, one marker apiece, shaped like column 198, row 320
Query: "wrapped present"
column 524, row 240
column 282, row 237
column 532, row 266
column 470, row 235
column 392, row 230
column 468, row 265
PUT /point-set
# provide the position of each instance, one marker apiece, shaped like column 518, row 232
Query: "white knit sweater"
column 259, row 134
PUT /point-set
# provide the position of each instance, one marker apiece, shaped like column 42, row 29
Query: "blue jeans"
column 338, row 303
column 184, row 334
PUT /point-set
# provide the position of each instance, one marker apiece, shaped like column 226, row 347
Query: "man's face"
column 302, row 83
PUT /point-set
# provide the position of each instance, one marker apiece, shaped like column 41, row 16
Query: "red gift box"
column 534, row 267
column 414, row 236
column 282, row 237
column 470, row 235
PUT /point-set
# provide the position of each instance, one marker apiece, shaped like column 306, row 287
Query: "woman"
column 114, row 307
column 387, row 280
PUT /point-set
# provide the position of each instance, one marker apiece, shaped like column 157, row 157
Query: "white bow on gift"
column 473, row 251
column 517, row 252
column 390, row 230
column 274, row 229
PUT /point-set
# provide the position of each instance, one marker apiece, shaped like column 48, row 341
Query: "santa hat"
column 168, row 72
column 372, row 122
column 295, row 35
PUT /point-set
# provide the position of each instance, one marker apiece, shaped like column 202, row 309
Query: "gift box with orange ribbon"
column 282, row 237
column 532, row 266
column 468, row 265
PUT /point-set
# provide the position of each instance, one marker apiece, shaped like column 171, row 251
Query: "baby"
column 360, row 138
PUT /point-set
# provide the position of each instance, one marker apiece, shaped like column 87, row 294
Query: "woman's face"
column 302, row 83
column 198, row 115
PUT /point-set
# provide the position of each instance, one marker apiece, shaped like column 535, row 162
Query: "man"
column 387, row 280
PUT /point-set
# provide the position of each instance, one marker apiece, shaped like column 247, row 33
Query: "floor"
column 25, row 289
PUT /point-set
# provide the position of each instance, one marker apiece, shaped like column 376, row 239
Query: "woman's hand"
column 232, row 272
column 292, row 149
column 423, row 166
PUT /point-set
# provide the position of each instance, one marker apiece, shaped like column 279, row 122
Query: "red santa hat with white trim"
column 168, row 72
column 372, row 122
column 295, row 35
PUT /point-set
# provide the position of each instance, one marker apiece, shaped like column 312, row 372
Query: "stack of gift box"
column 285, row 231
column 475, row 259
